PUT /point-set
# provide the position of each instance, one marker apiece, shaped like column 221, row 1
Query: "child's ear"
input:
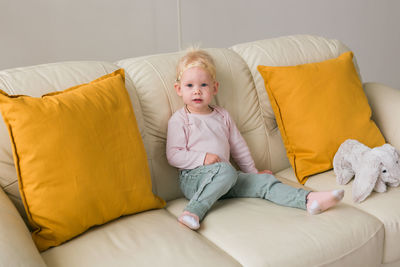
column 216, row 85
column 177, row 87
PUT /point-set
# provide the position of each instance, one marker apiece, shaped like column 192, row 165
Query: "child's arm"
column 178, row 154
column 239, row 150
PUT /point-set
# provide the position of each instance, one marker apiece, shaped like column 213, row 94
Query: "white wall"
column 41, row 31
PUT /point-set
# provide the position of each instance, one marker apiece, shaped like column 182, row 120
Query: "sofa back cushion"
column 154, row 77
column 283, row 51
column 150, row 80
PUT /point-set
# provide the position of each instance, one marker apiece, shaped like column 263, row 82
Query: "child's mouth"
column 197, row 100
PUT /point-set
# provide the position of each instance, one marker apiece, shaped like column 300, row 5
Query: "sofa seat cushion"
column 379, row 205
column 259, row 233
column 152, row 238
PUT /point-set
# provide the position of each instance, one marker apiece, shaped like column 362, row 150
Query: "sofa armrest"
column 385, row 105
column 16, row 244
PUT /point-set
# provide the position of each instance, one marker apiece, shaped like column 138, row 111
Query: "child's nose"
column 197, row 90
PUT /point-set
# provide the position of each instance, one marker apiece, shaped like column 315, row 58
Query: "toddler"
column 202, row 137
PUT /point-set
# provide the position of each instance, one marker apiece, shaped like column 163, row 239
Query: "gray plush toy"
column 372, row 169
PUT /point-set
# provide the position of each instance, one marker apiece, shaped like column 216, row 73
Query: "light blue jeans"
column 206, row 184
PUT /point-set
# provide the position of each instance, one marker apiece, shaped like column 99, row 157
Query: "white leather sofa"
column 236, row 232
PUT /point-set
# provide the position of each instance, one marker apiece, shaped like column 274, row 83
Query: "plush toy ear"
column 389, row 148
column 392, row 151
column 365, row 179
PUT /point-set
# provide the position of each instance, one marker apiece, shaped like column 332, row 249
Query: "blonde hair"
column 195, row 57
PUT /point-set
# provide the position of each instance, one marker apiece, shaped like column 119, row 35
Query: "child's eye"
column 189, row 85
column 204, row 85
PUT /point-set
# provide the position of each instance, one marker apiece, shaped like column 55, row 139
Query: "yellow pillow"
column 317, row 107
column 79, row 157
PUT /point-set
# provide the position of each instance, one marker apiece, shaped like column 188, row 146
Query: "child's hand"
column 211, row 158
column 265, row 171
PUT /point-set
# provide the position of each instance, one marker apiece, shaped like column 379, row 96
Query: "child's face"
column 197, row 89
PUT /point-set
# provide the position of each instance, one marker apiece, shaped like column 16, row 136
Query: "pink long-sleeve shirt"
column 191, row 136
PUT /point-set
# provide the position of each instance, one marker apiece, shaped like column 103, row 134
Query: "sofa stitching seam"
column 208, row 241
column 9, row 87
column 265, row 121
column 162, row 80
column 264, row 124
column 10, row 184
column 168, row 97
